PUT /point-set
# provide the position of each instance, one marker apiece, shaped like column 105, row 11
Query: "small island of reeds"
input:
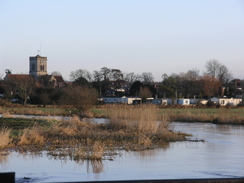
column 130, row 128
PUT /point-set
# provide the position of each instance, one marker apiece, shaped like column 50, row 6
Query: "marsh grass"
column 7, row 115
column 130, row 128
column 220, row 116
column 5, row 140
column 32, row 135
column 142, row 125
column 33, row 110
column 22, row 123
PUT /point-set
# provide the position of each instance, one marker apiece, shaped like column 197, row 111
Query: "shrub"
column 210, row 104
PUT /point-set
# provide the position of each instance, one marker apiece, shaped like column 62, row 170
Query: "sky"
column 157, row 36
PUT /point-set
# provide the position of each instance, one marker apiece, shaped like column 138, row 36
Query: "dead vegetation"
column 218, row 116
column 5, row 140
column 130, row 128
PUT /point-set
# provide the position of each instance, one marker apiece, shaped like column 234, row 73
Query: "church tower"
column 38, row 66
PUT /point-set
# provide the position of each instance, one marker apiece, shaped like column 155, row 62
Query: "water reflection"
column 63, row 118
column 221, row 155
column 95, row 165
column 4, row 158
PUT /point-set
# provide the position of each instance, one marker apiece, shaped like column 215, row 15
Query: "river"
column 221, row 155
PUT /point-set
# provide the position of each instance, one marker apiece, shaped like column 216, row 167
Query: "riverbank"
column 224, row 115
column 219, row 156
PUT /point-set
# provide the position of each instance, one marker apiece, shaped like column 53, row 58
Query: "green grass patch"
column 22, row 123
column 36, row 111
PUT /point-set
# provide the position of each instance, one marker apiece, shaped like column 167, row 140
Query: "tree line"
column 84, row 87
column 216, row 80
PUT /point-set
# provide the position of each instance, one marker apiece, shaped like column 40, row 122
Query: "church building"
column 38, row 72
column 38, row 66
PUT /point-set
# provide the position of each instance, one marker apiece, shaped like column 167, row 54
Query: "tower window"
column 41, row 67
column 33, row 67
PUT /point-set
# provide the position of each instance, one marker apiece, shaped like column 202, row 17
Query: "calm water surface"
column 220, row 156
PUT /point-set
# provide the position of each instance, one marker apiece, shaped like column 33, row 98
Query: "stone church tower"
column 38, row 66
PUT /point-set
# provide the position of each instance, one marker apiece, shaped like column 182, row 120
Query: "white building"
column 183, row 101
column 159, row 101
column 119, row 100
column 226, row 101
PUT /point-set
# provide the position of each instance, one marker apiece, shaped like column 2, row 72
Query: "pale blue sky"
column 138, row 36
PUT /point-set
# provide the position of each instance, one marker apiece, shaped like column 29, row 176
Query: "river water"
column 221, row 155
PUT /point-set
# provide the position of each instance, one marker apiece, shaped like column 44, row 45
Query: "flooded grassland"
column 219, row 156
column 136, row 128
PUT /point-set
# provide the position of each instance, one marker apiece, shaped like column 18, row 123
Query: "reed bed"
column 143, row 123
column 5, row 140
column 7, row 115
column 32, row 135
column 130, row 128
column 219, row 116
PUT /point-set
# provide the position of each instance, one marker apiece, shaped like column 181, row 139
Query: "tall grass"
column 7, row 115
column 34, row 110
column 140, row 119
column 32, row 135
column 143, row 123
column 226, row 116
column 130, row 128
column 5, row 140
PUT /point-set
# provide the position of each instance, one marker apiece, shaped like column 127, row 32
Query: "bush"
column 5, row 103
column 210, row 104
column 80, row 97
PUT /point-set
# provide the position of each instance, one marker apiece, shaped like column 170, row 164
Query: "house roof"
column 18, row 77
column 45, row 77
column 59, row 78
column 37, row 56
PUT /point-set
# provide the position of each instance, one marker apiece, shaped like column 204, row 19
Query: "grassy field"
column 35, row 111
column 214, row 115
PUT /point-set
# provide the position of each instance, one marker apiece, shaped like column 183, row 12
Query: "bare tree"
column 224, row 75
column 147, row 77
column 105, row 72
column 97, row 76
column 193, row 74
column 210, row 85
column 212, row 67
column 218, row 70
column 116, row 74
column 81, row 73
column 80, row 97
column 144, row 93
column 56, row 73
column 21, row 85
column 130, row 77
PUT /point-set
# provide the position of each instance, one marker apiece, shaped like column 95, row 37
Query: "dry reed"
column 5, row 140
column 7, row 115
column 225, row 116
column 32, row 135
column 130, row 128
column 98, row 150
column 142, row 122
